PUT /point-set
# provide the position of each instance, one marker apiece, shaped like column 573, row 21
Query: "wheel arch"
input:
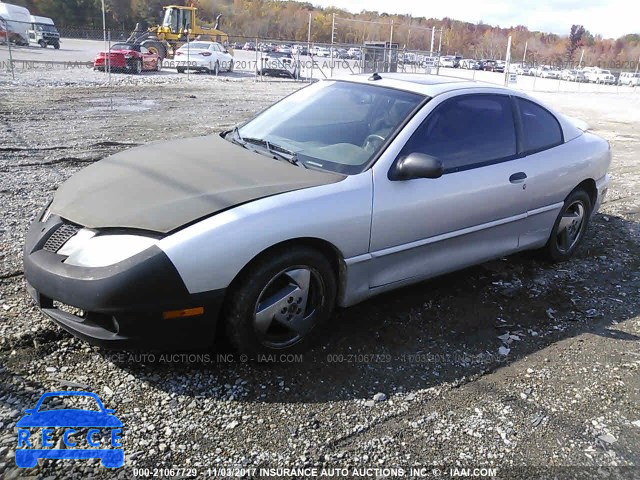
column 589, row 186
column 326, row 248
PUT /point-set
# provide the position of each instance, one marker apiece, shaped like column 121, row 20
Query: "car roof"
column 424, row 84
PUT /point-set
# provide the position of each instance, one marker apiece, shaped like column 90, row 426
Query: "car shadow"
column 443, row 330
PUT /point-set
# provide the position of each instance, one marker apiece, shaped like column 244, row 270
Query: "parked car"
column 127, row 57
column 17, row 21
column 321, row 52
column 208, row 57
column 448, row 61
column 168, row 243
column 629, row 78
column 340, row 53
column 279, row 64
column 43, row 32
column 598, row 75
column 499, row 66
column 284, row 49
column 249, row 46
column 572, row 75
column 606, row 77
column 489, row 65
column 354, row 53
column 548, row 72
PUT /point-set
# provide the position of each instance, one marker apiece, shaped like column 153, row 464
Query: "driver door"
column 474, row 212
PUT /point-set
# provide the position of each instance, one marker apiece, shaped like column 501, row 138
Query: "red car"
column 128, row 57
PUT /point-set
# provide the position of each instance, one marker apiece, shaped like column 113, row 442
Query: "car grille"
column 63, row 233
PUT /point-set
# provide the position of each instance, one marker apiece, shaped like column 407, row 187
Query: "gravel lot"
column 512, row 364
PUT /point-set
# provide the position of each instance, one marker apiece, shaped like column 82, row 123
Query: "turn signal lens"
column 187, row 312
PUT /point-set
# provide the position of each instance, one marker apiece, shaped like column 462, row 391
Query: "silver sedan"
column 342, row 190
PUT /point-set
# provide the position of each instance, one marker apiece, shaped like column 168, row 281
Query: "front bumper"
column 122, row 304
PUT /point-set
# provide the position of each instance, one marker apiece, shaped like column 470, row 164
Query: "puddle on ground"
column 120, row 104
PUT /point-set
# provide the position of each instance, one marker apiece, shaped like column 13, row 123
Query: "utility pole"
column 524, row 57
column 309, row 36
column 433, row 36
column 507, row 62
column 333, row 36
column 581, row 57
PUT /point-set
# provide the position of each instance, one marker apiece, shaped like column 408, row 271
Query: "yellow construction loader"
column 179, row 23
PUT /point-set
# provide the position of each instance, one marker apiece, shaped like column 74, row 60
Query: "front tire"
column 570, row 227
column 282, row 303
column 138, row 67
column 43, row 44
column 216, row 68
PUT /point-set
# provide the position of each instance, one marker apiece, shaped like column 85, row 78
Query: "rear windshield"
column 125, row 46
column 199, row 45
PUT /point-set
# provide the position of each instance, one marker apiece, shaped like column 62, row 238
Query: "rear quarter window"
column 540, row 128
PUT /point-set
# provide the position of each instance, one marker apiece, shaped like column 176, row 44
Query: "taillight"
column 205, row 54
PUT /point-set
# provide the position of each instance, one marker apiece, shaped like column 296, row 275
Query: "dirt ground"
column 515, row 364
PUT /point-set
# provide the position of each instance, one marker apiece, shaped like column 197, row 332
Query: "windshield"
column 43, row 27
column 331, row 125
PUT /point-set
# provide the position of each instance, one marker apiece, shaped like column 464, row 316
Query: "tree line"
column 288, row 20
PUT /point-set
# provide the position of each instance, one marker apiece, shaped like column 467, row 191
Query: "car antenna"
column 375, row 76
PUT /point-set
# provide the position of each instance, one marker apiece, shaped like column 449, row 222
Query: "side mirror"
column 416, row 165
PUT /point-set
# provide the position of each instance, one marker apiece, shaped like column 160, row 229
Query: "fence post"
column 6, row 29
column 109, row 56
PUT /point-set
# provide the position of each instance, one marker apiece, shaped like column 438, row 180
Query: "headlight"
column 86, row 249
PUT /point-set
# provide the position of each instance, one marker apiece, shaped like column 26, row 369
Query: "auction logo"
column 82, row 430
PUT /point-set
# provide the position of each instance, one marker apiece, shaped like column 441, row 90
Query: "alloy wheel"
column 286, row 308
column 571, row 226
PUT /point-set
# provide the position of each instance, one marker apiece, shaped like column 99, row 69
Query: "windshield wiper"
column 236, row 137
column 278, row 152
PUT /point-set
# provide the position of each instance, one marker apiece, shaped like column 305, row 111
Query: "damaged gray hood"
column 165, row 185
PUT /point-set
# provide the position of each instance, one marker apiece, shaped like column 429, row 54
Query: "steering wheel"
column 372, row 142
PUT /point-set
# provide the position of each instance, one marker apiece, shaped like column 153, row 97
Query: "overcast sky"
column 610, row 18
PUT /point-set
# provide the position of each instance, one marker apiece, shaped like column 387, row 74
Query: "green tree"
column 576, row 40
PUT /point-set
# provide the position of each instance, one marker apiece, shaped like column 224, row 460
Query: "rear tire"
column 569, row 228
column 282, row 303
column 56, row 45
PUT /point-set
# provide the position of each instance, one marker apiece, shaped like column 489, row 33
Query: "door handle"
column 518, row 177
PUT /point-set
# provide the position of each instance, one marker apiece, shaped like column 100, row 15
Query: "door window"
column 466, row 132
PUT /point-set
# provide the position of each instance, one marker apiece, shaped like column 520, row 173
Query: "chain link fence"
column 40, row 49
